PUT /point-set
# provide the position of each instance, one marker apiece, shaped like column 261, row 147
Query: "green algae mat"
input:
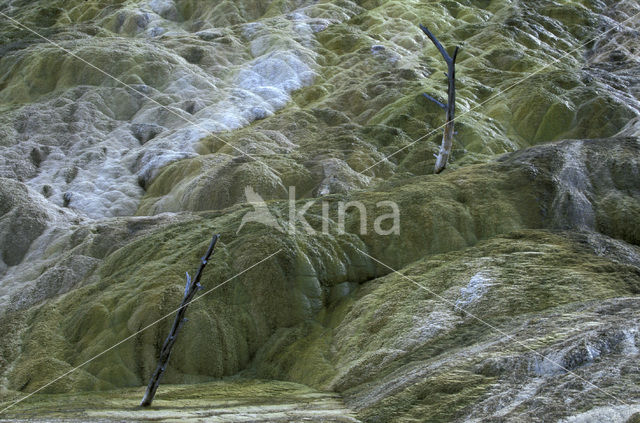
column 510, row 291
column 223, row 401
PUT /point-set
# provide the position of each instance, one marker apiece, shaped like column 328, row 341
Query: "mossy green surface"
column 398, row 320
column 365, row 103
column 141, row 282
column 525, row 248
column 296, row 316
column 237, row 399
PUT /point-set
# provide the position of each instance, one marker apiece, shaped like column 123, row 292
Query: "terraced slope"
column 510, row 292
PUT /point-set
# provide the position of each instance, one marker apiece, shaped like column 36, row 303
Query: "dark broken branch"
column 435, row 41
column 442, row 105
column 447, row 138
column 190, row 290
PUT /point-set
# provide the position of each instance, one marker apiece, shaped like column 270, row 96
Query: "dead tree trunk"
column 190, row 290
column 450, row 107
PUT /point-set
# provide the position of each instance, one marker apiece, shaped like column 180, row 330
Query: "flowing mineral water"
column 88, row 148
column 95, row 146
column 571, row 207
column 475, row 289
column 387, row 348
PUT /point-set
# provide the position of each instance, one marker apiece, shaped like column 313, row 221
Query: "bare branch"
column 190, row 290
column 442, row 105
column 447, row 138
column 435, row 41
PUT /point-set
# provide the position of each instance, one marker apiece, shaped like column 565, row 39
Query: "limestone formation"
column 518, row 270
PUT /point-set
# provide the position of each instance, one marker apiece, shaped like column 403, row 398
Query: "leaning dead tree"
column 450, row 107
column 190, row 290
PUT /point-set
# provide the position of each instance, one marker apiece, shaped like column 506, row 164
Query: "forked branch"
column 190, row 290
column 447, row 138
